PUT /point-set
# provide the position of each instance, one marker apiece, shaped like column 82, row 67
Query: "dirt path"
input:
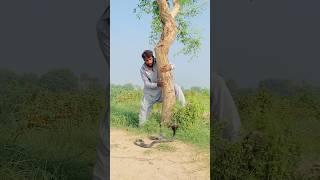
column 168, row 161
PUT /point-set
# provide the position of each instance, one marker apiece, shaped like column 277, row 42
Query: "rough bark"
column 161, row 51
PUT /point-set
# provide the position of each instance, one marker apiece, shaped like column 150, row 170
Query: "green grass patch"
column 194, row 126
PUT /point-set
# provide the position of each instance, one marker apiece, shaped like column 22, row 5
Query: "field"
column 280, row 133
column 186, row 158
column 194, row 119
column 49, row 125
column 279, row 136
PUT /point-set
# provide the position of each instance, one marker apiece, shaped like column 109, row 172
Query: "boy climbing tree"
column 152, row 92
column 169, row 23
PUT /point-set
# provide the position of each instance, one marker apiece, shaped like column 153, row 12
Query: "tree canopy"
column 189, row 37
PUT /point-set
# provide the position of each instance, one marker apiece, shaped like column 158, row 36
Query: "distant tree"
column 128, row 86
column 196, row 88
column 30, row 79
column 88, row 82
column 59, row 80
column 94, row 83
column 281, row 87
column 84, row 76
column 7, row 76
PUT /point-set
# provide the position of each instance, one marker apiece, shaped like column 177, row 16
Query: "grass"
column 280, row 136
column 49, row 154
column 52, row 135
column 124, row 114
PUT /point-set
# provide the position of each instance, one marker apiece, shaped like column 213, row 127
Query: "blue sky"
column 129, row 37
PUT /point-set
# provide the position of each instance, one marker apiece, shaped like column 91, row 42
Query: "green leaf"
column 189, row 38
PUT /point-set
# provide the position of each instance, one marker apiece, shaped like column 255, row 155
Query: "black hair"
column 146, row 54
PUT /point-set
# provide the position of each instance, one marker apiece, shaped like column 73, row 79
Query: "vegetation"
column 48, row 125
column 280, row 133
column 193, row 119
column 170, row 22
column 47, row 133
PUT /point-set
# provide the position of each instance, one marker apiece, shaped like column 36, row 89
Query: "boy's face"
column 148, row 61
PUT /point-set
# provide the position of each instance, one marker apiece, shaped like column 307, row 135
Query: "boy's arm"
column 168, row 67
column 172, row 66
column 147, row 83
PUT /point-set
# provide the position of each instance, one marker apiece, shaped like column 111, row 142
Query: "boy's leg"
column 145, row 108
column 224, row 109
column 101, row 169
column 179, row 95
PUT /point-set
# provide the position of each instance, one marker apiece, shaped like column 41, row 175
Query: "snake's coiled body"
column 159, row 139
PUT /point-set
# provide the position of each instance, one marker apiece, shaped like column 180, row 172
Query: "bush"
column 257, row 156
column 190, row 115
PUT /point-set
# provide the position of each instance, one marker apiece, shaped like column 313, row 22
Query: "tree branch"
column 176, row 8
column 163, row 10
column 169, row 25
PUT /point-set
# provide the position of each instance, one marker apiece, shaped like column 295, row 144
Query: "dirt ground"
column 167, row 161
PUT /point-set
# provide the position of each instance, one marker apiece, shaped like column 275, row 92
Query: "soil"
column 167, row 161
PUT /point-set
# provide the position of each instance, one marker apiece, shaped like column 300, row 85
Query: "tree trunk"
column 161, row 51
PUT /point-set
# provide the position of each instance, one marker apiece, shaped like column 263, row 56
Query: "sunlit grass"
column 125, row 115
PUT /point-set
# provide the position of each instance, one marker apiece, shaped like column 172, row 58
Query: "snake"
column 157, row 139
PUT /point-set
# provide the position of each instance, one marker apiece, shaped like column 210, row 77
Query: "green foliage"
column 188, row 37
column 8, row 77
column 190, row 115
column 193, row 119
column 279, row 134
column 52, row 134
column 50, row 154
column 257, row 156
column 47, row 134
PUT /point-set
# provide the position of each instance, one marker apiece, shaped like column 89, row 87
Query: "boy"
column 152, row 92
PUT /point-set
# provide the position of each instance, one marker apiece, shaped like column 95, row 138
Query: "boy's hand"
column 166, row 68
column 160, row 83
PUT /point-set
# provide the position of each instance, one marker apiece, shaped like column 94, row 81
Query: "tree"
column 59, row 80
column 280, row 87
column 170, row 22
column 88, row 82
column 196, row 88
